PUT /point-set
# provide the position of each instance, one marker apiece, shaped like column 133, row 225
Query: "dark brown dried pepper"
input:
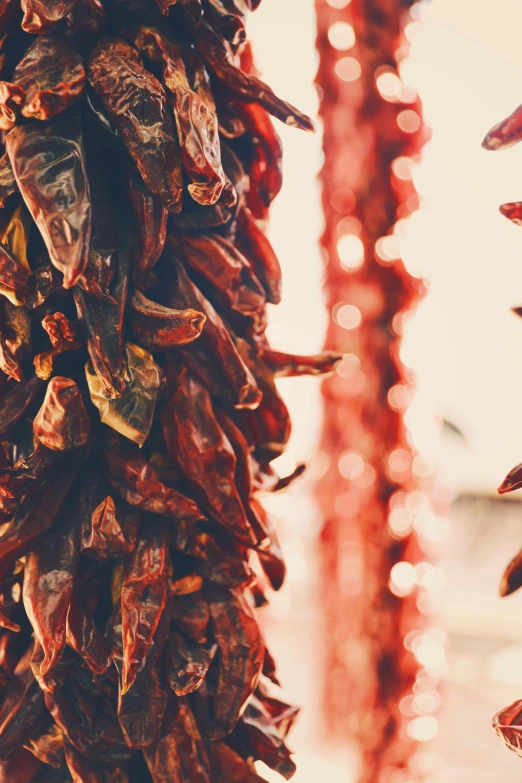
column 241, row 653
column 49, row 166
column 136, row 101
column 51, row 75
column 196, row 123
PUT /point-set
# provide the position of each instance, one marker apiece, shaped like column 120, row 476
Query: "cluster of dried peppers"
column 139, row 414
column 508, row 722
column 372, row 130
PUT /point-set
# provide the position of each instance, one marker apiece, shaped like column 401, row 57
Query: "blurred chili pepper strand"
column 507, row 722
column 369, row 493
column 139, row 412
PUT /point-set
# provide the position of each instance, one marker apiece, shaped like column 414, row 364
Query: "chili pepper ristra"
column 373, row 131
column 139, row 412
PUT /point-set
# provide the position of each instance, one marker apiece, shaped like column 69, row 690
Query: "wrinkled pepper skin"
column 138, row 408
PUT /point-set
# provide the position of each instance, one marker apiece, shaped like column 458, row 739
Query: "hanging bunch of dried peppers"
column 139, row 413
column 508, row 722
column 369, row 493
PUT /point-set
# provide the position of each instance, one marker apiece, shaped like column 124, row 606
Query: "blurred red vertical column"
column 373, row 130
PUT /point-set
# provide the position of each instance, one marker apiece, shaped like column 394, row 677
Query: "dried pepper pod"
column 240, row 661
column 136, row 102
column 196, row 124
column 160, row 328
column 139, row 415
column 51, row 76
column 49, row 166
column 201, row 449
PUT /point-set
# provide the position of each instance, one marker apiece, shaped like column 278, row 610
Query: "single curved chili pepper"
column 270, row 422
column 102, row 322
column 241, row 653
column 136, row 482
column 241, row 85
column 506, row 133
column 196, row 442
column 136, row 102
column 225, row 272
column 40, row 16
column 142, row 727
column 507, row 724
column 62, row 423
column 265, row 166
column 151, row 223
column 512, row 481
column 196, row 124
column 143, row 598
column 512, row 576
column 187, row 663
column 214, row 339
column 49, row 166
column 51, row 75
column 48, row 587
column 159, row 328
column 257, row 248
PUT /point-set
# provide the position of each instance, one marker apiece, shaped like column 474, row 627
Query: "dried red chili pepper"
column 41, row 15
column 49, row 166
column 136, row 102
column 196, row 124
column 160, row 328
column 51, row 76
column 187, row 663
column 48, row 585
column 128, row 479
column 198, row 445
column 241, row 653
